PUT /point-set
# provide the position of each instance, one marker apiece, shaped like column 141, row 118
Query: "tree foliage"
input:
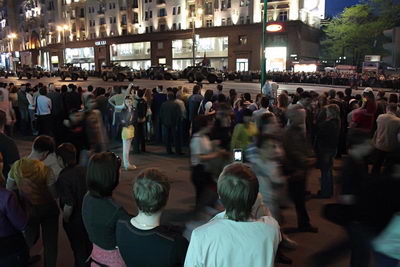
column 358, row 30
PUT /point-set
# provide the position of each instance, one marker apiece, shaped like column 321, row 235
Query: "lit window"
column 283, row 16
column 243, row 39
column 223, row 22
column 242, row 64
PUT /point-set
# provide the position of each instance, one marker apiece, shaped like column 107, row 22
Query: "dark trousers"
column 358, row 240
column 386, row 159
column 14, row 251
column 326, row 165
column 172, row 135
column 139, row 142
column 45, row 124
column 116, row 127
column 203, row 183
column 79, row 240
column 24, row 125
column 44, row 218
column 58, row 128
column 297, row 192
column 385, row 261
column 186, row 132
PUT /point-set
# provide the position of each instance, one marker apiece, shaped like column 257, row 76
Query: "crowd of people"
column 352, row 79
column 248, row 158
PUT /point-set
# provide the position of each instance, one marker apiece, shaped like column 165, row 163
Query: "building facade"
column 141, row 33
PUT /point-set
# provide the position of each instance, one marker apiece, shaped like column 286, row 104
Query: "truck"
column 117, row 73
column 72, row 72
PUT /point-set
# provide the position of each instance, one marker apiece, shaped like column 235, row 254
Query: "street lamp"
column 263, row 46
column 63, row 28
column 193, row 17
column 11, row 37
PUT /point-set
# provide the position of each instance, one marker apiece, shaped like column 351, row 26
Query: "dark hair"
column 200, row 122
column 264, row 102
column 238, row 189
column 90, row 88
column 140, row 93
column 332, row 93
column 232, row 92
column 43, row 91
column 340, row 94
column 67, row 152
column 64, row 88
column 196, row 89
column 221, row 98
column 247, row 96
column 263, row 120
column 305, row 94
column 283, row 100
column 393, row 98
column 3, row 118
column 299, row 90
column 103, row 174
column 220, row 87
column 170, row 96
column 348, row 91
column 151, row 191
column 208, row 96
column 357, row 137
column 43, row 143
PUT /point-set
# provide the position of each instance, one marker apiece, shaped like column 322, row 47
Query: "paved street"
column 182, row 200
column 240, row 87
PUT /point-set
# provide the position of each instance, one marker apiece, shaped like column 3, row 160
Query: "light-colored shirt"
column 43, row 105
column 386, row 134
column 199, row 145
column 227, row 243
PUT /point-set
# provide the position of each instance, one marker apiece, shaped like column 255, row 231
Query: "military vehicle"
column 72, row 72
column 117, row 73
column 31, row 72
column 162, row 72
column 200, row 73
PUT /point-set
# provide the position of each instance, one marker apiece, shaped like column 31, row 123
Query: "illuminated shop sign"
column 98, row 43
column 274, row 28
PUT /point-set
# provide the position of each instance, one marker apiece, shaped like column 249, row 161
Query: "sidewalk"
column 181, row 202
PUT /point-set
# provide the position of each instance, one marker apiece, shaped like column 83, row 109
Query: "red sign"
column 274, row 28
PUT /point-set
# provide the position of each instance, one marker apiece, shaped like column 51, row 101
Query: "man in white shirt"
column 233, row 237
column 43, row 113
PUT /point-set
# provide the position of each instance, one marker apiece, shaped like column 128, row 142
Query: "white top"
column 31, row 101
column 43, row 105
column 226, row 243
column 199, row 145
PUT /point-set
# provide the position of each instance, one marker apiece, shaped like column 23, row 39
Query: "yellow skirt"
column 128, row 132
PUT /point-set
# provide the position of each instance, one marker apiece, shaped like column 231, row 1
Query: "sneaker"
column 288, row 243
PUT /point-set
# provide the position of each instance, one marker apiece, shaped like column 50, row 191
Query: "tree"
column 358, row 31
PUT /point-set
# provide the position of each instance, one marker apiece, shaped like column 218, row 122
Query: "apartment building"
column 141, row 33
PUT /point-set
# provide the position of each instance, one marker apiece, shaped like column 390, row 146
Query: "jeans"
column 326, row 165
column 126, row 147
column 32, row 118
column 79, row 240
column 44, row 218
column 24, row 125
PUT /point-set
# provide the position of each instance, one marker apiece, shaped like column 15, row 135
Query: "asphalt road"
column 240, row 87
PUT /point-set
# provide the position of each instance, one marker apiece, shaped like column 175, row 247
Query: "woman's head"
column 208, row 95
column 103, row 174
column 151, row 191
column 238, row 189
column 283, row 101
column 128, row 102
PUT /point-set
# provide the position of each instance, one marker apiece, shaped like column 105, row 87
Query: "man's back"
column 385, row 137
column 170, row 113
column 227, row 243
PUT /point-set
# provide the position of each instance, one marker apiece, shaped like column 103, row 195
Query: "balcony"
column 101, row 12
column 123, row 8
column 160, row 2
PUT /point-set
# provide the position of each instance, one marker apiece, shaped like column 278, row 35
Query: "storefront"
column 134, row 55
column 80, row 57
column 214, row 49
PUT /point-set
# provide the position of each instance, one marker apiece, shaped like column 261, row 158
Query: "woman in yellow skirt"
column 128, row 132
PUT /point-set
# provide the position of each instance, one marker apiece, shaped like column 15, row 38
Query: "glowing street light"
column 12, row 36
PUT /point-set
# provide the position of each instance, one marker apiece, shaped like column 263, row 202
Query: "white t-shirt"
column 226, row 243
column 199, row 145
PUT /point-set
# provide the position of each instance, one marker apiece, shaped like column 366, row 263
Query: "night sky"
column 333, row 7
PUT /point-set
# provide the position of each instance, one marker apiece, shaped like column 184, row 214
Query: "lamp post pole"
column 263, row 46
column 193, row 42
